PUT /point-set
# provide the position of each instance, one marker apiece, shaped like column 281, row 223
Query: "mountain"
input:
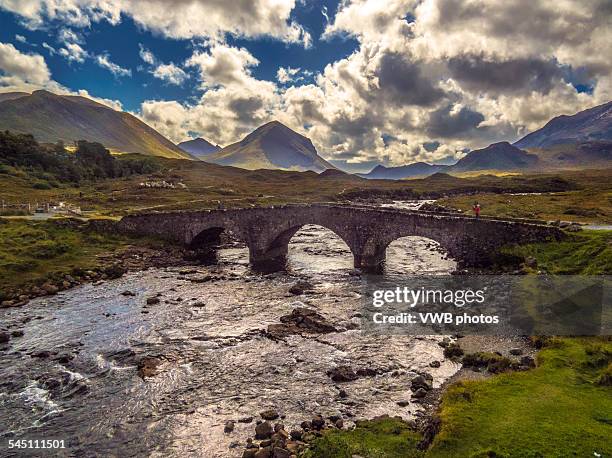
column 272, row 146
column 50, row 117
column 497, row 156
column 199, row 147
column 594, row 124
column 405, row 171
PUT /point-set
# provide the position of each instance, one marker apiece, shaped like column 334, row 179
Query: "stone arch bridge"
column 366, row 230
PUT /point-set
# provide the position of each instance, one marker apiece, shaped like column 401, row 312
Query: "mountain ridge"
column 592, row 124
column 414, row 169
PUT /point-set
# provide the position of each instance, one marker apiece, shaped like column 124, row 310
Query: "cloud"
column 20, row 38
column 479, row 73
column 223, row 65
column 66, row 35
column 17, row 67
column 48, row 47
column 185, row 19
column 232, row 100
column 146, row 55
column 453, row 121
column 170, row 73
column 73, row 52
column 404, row 83
column 286, row 75
column 103, row 60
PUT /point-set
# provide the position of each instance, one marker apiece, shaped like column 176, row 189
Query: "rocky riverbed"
column 161, row 361
column 174, row 359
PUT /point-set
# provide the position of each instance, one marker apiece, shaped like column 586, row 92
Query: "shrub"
column 493, row 362
column 41, row 185
column 48, row 249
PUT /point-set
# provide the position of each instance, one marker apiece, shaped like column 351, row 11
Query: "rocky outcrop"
column 300, row 320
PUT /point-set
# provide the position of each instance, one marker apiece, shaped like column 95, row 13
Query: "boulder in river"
column 148, row 366
column 269, row 414
column 4, row 337
column 263, row 430
column 301, row 319
column 342, row 374
column 300, row 287
column 421, row 382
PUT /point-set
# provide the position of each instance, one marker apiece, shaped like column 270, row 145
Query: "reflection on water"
column 73, row 375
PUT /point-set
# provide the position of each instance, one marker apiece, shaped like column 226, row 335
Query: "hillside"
column 594, row 124
column 199, row 147
column 272, row 146
column 50, row 117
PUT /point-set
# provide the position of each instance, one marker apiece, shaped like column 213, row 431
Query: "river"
column 73, row 376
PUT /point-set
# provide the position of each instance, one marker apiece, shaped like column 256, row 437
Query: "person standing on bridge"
column 476, row 209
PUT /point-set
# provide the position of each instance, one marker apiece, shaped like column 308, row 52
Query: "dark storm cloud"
column 480, row 74
column 444, row 124
column 244, row 108
column 526, row 18
column 403, row 82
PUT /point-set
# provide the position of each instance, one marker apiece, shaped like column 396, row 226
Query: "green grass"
column 382, row 438
column 559, row 409
column 582, row 253
column 32, row 251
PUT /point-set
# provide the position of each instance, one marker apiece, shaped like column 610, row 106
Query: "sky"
column 369, row 81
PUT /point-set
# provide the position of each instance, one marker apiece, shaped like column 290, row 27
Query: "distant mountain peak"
column 415, row 169
column 497, row 156
column 199, row 147
column 272, row 146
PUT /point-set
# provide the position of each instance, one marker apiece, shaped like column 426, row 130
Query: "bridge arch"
column 374, row 251
column 275, row 251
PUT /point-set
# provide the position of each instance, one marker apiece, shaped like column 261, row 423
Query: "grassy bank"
column 36, row 250
column 561, row 408
column 386, row 437
column 558, row 409
column 582, row 253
